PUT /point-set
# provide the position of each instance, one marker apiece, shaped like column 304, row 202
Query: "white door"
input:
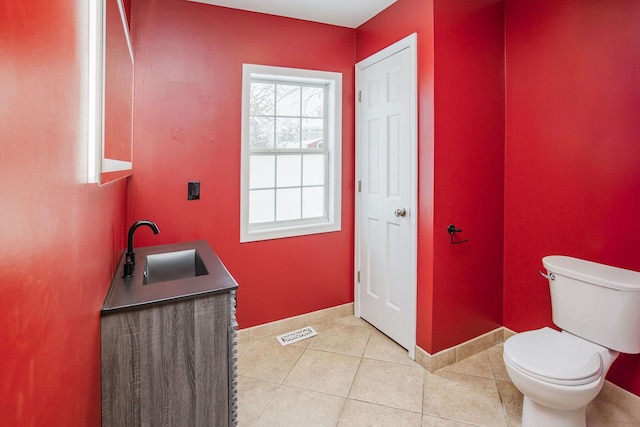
column 386, row 202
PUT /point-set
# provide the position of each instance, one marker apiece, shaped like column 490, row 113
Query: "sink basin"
column 175, row 271
column 163, row 267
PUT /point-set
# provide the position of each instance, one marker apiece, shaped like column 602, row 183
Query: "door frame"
column 409, row 42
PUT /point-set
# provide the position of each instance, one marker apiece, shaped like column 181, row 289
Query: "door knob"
column 400, row 212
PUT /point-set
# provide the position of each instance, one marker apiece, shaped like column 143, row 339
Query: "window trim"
column 258, row 232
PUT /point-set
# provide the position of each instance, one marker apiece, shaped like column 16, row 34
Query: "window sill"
column 289, row 231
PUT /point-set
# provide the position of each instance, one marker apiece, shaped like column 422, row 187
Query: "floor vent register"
column 297, row 335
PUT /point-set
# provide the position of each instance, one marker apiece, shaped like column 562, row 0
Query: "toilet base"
column 536, row 415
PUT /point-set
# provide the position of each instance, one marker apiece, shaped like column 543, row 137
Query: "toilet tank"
column 597, row 302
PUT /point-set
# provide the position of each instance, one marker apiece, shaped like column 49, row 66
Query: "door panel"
column 386, row 238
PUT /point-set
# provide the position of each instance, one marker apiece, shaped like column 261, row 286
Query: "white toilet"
column 560, row 373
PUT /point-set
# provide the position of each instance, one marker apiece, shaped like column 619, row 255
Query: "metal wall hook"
column 451, row 229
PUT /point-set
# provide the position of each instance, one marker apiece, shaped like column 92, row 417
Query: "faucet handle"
column 128, row 270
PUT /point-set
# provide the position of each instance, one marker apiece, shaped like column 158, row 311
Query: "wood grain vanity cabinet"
column 170, row 362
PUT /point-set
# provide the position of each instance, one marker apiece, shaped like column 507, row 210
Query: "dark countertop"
column 132, row 293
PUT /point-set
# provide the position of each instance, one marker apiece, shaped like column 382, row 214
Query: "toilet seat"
column 555, row 357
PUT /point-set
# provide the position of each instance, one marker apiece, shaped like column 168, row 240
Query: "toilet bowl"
column 561, row 372
column 558, row 373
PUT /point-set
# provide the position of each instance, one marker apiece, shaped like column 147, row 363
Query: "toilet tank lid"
column 593, row 272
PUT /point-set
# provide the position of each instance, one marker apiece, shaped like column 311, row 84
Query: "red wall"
column 469, row 168
column 461, row 155
column 60, row 237
column 189, row 60
column 572, row 175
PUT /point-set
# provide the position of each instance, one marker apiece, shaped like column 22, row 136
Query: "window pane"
column 313, row 202
column 288, row 100
column 287, row 133
column 288, row 204
column 313, row 102
column 313, row 169
column 312, row 133
column 262, row 172
column 261, row 206
column 289, row 171
column 261, row 132
column 262, row 99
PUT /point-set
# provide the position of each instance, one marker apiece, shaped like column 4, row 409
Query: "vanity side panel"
column 233, row 361
column 212, row 360
column 120, row 359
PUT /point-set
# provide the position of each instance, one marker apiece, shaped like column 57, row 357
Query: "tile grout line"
column 279, row 384
column 395, row 408
column 502, row 401
column 294, row 364
column 424, row 387
column 354, row 378
column 267, row 404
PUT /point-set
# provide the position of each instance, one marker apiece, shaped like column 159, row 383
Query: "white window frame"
column 257, row 232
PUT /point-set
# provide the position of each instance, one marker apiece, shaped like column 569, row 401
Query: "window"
column 291, row 146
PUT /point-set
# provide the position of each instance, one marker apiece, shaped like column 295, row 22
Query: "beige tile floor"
column 350, row 374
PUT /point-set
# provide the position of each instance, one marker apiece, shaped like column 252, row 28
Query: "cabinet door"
column 168, row 364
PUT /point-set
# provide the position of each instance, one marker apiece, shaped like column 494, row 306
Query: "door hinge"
column 359, row 96
column 358, row 277
column 359, row 186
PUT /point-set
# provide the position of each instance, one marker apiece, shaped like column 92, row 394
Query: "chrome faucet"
column 130, row 261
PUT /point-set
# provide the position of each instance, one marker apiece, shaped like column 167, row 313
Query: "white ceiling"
column 345, row 13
